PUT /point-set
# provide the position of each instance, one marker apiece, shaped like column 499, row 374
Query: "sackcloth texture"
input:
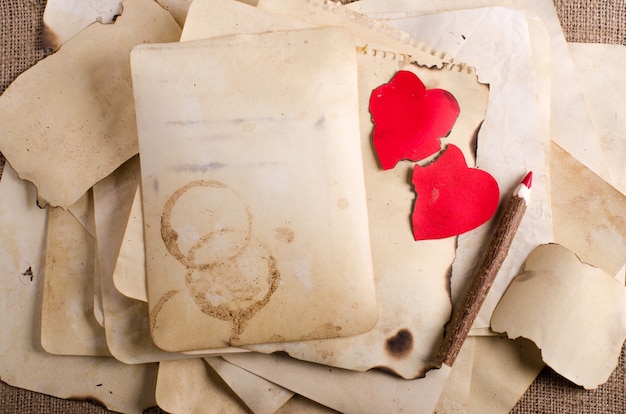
column 586, row 21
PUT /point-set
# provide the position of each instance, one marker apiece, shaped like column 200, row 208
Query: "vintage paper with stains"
column 177, row 8
column 575, row 313
column 192, row 386
column 348, row 391
column 126, row 324
column 604, row 87
column 285, row 231
column 570, row 126
column 411, row 277
column 407, row 287
column 68, row 323
column 589, row 214
column 81, row 123
column 511, row 141
column 260, row 395
column 63, row 19
column 23, row 363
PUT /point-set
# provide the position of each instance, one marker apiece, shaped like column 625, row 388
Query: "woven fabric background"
column 587, row 21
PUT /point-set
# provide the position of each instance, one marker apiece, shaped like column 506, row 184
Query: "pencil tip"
column 528, row 180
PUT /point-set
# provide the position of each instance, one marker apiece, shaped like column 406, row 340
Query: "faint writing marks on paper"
column 229, row 274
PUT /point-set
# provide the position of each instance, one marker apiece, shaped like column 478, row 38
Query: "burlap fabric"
column 601, row 21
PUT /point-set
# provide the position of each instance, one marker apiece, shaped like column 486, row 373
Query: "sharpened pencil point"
column 528, row 180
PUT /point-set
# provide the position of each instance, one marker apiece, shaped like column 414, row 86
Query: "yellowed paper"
column 511, row 141
column 348, row 391
column 191, row 386
column 503, row 371
column 490, row 375
column 259, row 395
column 571, row 125
column 214, row 18
column 81, row 122
column 621, row 275
column 127, row 328
column 126, row 324
column 23, row 363
column 278, row 179
column 82, row 210
column 575, row 313
column 98, row 308
column 604, row 87
column 398, row 264
column 300, row 404
column 63, row 19
column 454, row 397
column 370, row 34
column 411, row 277
column 129, row 275
column 177, row 8
column 589, row 214
column 68, row 324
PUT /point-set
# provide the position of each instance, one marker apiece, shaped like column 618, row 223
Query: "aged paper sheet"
column 23, row 363
column 511, row 141
column 81, row 123
column 68, row 323
column 575, row 313
column 278, row 179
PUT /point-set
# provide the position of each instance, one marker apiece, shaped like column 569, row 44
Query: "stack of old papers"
column 193, row 215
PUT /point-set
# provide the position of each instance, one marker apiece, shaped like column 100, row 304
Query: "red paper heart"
column 409, row 120
column 451, row 198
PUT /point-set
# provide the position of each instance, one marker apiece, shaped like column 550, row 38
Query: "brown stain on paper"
column 225, row 312
column 242, row 295
column 284, row 234
column 159, row 305
column 401, row 344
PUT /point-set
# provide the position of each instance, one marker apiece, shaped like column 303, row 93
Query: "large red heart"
column 409, row 120
column 451, row 198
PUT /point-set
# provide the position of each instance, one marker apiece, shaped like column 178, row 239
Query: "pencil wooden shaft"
column 482, row 279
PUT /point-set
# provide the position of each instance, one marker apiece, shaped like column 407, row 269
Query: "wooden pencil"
column 485, row 273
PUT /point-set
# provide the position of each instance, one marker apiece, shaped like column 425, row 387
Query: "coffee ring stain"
column 170, row 236
column 400, row 345
column 154, row 312
column 240, row 248
column 229, row 311
column 223, row 273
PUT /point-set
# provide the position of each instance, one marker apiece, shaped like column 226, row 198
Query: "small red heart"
column 451, row 198
column 409, row 120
